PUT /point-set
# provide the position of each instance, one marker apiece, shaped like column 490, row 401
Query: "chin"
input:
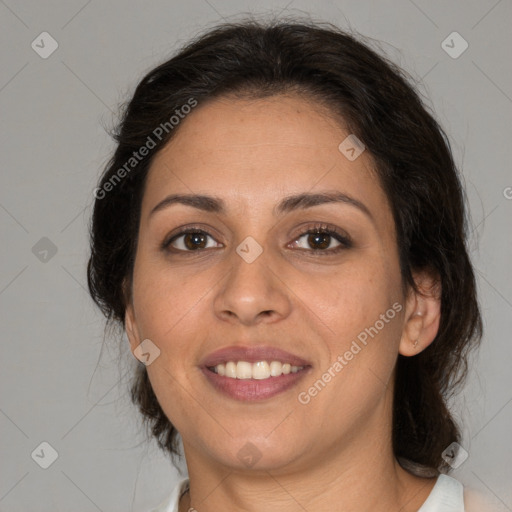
column 256, row 453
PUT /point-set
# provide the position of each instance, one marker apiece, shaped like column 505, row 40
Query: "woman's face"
column 250, row 277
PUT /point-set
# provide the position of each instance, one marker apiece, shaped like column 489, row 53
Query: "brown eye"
column 189, row 241
column 319, row 240
column 323, row 240
column 194, row 241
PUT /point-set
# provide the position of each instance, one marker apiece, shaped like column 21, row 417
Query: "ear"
column 131, row 327
column 130, row 323
column 422, row 314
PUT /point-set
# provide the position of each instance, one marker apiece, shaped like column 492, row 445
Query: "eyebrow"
column 288, row 204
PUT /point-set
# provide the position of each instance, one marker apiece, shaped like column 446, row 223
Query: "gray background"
column 57, row 384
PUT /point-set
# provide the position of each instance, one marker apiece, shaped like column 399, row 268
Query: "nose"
column 252, row 292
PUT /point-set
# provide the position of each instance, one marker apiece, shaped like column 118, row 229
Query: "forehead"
column 256, row 151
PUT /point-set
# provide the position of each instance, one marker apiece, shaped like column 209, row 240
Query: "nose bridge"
column 252, row 289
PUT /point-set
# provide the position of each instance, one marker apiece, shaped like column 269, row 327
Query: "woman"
column 281, row 233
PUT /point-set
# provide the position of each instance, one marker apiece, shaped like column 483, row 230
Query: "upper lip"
column 252, row 355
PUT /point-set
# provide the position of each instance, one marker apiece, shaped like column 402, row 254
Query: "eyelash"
column 324, row 229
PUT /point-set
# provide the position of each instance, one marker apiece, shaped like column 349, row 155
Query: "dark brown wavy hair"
column 377, row 101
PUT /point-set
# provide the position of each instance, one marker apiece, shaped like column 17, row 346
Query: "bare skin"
column 333, row 452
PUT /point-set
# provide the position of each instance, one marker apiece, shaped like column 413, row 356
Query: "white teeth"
column 243, row 370
column 231, row 370
column 275, row 368
column 259, row 371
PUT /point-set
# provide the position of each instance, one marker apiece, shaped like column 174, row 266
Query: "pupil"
column 194, row 240
column 320, row 239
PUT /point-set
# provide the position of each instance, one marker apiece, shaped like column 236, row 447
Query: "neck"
column 358, row 472
column 393, row 489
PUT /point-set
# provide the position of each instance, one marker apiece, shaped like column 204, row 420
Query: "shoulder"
column 170, row 504
column 477, row 501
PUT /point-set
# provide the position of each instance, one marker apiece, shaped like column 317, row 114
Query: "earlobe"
column 422, row 316
column 412, row 341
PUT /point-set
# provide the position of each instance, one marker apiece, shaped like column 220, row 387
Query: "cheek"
column 167, row 301
column 170, row 310
column 168, row 306
column 350, row 299
column 362, row 309
column 361, row 304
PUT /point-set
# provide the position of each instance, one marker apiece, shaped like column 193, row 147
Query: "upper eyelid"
column 305, row 230
column 185, row 230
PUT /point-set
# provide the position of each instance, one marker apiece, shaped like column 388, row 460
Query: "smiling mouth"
column 259, row 370
column 254, row 382
column 253, row 373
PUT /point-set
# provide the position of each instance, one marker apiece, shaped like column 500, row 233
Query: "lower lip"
column 253, row 390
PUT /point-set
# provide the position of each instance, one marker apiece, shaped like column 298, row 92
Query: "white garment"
column 447, row 495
